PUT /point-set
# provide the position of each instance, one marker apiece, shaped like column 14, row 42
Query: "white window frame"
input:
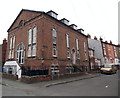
column 12, row 46
column 34, row 34
column 85, row 51
column 77, row 43
column 30, row 36
column 55, row 69
column 32, row 39
column 20, row 49
column 54, row 42
column 29, row 51
column 67, row 41
column 34, row 50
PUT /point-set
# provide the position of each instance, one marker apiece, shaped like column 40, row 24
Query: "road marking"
column 106, row 86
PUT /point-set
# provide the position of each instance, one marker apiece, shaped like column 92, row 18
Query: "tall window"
column 68, row 46
column 115, row 51
column 32, row 42
column 77, row 46
column 11, row 49
column 29, row 42
column 85, row 51
column 54, row 36
column 104, row 51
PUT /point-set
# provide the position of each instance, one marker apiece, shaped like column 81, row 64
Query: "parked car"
column 109, row 68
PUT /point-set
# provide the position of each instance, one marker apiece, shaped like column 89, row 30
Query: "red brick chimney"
column 89, row 36
column 106, row 41
column 101, row 39
column 95, row 38
column 110, row 42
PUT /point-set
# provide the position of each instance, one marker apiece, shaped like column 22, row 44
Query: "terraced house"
column 109, row 52
column 40, row 44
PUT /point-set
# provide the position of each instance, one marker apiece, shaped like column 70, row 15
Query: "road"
column 104, row 85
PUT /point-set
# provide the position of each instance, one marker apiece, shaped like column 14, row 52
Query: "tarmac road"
column 102, row 85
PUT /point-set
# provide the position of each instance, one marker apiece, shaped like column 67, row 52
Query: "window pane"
column 29, row 51
column 68, row 53
column 34, row 50
column 67, row 39
column 54, row 50
column 53, row 32
column 77, row 44
column 29, row 36
column 78, row 54
column 11, row 43
column 34, row 34
column 54, row 40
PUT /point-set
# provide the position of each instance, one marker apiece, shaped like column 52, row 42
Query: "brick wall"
column 4, row 48
column 44, row 25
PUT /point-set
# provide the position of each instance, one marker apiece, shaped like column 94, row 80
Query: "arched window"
column 20, row 53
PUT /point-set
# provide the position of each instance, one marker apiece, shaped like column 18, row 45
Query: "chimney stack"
column 110, row 42
column 106, row 41
column 89, row 36
column 95, row 38
column 101, row 39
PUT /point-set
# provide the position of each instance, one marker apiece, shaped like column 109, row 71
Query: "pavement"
column 88, row 84
column 59, row 81
column 72, row 79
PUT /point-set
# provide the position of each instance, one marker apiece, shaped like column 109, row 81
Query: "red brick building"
column 39, row 41
column 4, row 48
column 108, row 52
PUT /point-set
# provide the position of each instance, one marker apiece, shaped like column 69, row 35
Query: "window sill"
column 68, row 57
column 54, row 56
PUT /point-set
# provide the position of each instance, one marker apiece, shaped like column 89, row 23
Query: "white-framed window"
column 34, row 50
column 68, row 46
column 67, row 40
column 69, row 69
column 20, row 54
column 29, row 50
column 77, row 45
column 68, row 52
column 104, row 50
column 12, row 46
column 54, row 69
column 34, row 34
column 54, row 39
column 115, row 51
column 78, row 54
column 54, row 50
column 32, row 37
column 29, row 36
column 85, row 51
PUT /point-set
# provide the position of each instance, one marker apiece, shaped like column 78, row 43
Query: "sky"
column 97, row 17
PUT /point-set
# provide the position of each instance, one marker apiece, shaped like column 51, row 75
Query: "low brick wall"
column 33, row 79
column 9, row 76
column 41, row 78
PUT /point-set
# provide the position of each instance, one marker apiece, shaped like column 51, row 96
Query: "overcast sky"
column 96, row 17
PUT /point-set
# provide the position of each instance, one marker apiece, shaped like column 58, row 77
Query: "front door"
column 20, row 54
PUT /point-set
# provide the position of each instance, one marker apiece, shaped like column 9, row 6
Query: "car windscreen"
column 107, row 66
